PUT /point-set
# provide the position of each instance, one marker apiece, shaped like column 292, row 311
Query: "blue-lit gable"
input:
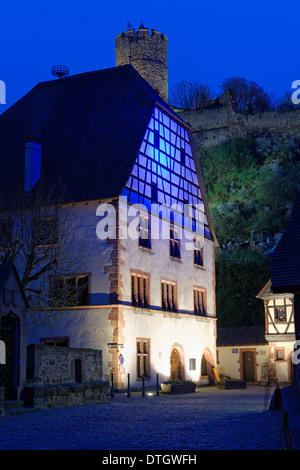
column 165, row 174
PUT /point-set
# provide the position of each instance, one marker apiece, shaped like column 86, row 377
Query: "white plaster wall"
column 87, row 328
column 161, row 266
column 165, row 329
column 229, row 363
column 192, row 333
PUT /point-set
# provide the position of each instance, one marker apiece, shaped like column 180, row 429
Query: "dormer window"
column 32, row 170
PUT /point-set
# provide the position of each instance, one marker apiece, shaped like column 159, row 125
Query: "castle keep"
column 147, row 52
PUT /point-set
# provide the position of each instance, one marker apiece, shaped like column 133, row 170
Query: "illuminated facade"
column 145, row 292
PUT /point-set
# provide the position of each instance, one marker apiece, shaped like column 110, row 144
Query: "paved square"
column 206, row 420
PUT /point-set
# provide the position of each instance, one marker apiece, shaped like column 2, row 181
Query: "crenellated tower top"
column 147, row 52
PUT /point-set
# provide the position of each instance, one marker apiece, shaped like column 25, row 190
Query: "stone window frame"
column 276, row 351
column 143, row 362
column 47, row 241
column 140, row 288
column 77, row 276
column 175, row 246
column 145, row 231
column 200, row 301
column 169, row 295
column 198, row 252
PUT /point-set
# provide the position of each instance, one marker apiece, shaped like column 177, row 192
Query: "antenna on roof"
column 60, row 71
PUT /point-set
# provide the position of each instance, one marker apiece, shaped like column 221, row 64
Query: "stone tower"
column 148, row 54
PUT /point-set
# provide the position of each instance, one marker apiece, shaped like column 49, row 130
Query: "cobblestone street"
column 206, row 420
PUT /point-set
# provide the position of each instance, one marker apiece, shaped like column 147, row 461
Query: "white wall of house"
column 189, row 334
column 230, row 362
column 193, row 333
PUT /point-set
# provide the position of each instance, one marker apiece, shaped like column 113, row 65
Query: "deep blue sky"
column 208, row 40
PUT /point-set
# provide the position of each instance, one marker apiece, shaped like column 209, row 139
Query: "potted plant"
column 176, row 387
column 229, row 383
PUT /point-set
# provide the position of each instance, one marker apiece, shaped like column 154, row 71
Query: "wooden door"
column 175, row 365
column 248, row 366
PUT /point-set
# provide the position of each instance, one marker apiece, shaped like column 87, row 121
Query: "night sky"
column 208, row 40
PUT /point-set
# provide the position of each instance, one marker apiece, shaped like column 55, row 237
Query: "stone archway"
column 207, row 365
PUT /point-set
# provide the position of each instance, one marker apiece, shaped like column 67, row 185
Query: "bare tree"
column 47, row 243
column 285, row 103
column 248, row 97
column 190, row 94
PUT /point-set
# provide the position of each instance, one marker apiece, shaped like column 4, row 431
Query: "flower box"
column 232, row 384
column 177, row 388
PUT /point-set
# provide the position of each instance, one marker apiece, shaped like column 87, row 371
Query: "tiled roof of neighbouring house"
column 91, row 126
column 285, row 262
column 241, row 336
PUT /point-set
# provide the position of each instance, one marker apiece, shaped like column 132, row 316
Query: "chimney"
column 32, row 160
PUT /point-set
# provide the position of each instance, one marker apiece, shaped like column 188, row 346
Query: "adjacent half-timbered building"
column 279, row 332
column 285, row 278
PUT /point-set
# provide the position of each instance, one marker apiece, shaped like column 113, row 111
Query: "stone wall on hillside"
column 218, row 123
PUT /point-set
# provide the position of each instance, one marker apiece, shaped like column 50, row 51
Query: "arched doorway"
column 175, row 365
column 206, row 369
column 10, row 371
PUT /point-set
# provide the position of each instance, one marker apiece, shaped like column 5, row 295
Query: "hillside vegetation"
column 251, row 184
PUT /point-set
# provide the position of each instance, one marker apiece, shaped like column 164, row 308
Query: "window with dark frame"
column 174, row 241
column 169, row 296
column 279, row 355
column 46, row 231
column 198, row 252
column 156, row 139
column 6, row 234
column 154, row 193
column 143, row 358
column 182, row 156
column 280, row 313
column 144, row 231
column 140, row 290
column 200, row 301
column 69, row 291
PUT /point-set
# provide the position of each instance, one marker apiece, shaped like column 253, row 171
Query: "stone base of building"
column 68, row 394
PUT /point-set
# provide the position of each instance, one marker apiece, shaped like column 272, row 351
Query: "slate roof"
column 285, row 261
column 241, row 336
column 91, row 126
